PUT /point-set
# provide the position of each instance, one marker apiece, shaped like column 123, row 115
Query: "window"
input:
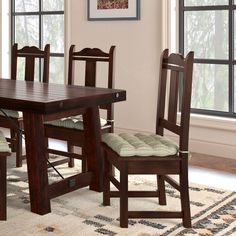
column 208, row 28
column 37, row 23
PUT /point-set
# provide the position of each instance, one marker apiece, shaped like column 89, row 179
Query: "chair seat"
column 73, row 122
column 4, row 147
column 139, row 144
column 11, row 113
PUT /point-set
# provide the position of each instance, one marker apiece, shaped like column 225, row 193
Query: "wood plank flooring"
column 216, row 172
column 213, row 162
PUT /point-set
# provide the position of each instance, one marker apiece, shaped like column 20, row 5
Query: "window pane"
column 210, row 87
column 205, row 2
column 27, row 30
column 26, row 5
column 39, row 29
column 56, row 70
column 53, row 32
column 53, row 5
column 206, row 33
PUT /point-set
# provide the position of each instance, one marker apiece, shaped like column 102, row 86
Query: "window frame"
column 230, row 62
column 40, row 13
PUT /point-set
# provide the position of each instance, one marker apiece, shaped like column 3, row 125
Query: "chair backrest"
column 91, row 57
column 30, row 54
column 175, row 87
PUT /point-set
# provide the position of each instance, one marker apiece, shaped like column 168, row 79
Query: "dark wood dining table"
column 41, row 102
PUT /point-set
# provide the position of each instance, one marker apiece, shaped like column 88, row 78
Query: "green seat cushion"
column 3, row 143
column 11, row 113
column 73, row 122
column 139, row 144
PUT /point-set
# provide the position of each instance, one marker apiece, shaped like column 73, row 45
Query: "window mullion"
column 231, row 57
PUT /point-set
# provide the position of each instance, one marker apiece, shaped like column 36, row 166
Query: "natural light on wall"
column 170, row 25
column 173, row 26
column 5, row 39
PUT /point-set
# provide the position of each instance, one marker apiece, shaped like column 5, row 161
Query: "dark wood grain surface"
column 46, row 98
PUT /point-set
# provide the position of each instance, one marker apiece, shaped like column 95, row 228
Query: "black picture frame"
column 130, row 13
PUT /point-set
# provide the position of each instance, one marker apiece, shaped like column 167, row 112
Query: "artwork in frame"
column 113, row 10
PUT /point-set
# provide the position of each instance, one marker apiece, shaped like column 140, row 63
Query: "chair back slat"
column 29, row 68
column 186, row 101
column 30, row 54
column 90, row 73
column 170, row 126
column 174, row 95
column 161, row 92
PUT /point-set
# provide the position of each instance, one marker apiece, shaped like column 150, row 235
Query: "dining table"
column 42, row 102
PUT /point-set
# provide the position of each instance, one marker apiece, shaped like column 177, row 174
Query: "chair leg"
column 106, row 182
column 46, row 145
column 161, row 190
column 184, row 195
column 84, row 162
column 3, row 192
column 70, row 148
column 18, row 149
column 13, row 138
column 124, row 196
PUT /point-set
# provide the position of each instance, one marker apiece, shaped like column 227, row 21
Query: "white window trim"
column 67, row 33
column 170, row 22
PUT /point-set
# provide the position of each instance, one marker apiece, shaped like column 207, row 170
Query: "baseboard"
column 214, row 149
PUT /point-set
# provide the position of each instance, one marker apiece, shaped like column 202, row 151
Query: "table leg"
column 92, row 130
column 36, row 163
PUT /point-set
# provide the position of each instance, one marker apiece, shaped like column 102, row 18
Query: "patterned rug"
column 81, row 212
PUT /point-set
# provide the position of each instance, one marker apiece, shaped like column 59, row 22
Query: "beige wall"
column 138, row 47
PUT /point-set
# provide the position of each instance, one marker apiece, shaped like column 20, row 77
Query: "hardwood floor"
column 213, row 171
column 212, row 162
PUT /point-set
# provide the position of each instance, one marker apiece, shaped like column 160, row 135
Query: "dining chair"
column 4, row 152
column 13, row 120
column 155, row 153
column 70, row 129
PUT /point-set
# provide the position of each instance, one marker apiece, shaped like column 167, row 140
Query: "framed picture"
column 113, row 10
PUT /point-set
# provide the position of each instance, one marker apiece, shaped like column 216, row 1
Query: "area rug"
column 81, row 213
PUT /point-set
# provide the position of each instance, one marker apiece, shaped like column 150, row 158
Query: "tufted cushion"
column 3, row 144
column 73, row 122
column 11, row 113
column 140, row 144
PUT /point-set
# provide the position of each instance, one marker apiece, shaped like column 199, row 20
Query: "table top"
column 46, row 98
